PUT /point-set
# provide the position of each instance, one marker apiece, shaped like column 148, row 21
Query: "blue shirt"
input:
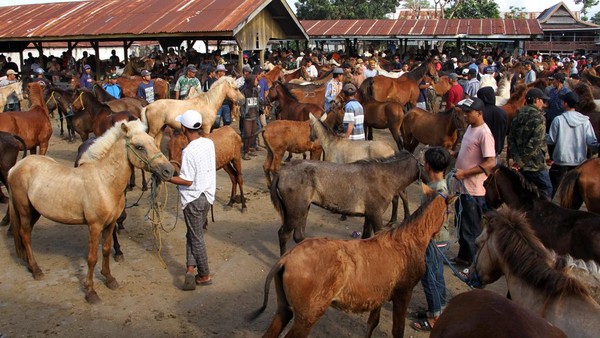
column 114, row 90
column 146, row 91
column 353, row 113
column 86, row 81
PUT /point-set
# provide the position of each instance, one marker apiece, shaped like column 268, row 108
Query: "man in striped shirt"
column 353, row 115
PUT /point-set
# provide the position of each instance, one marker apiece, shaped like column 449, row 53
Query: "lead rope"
column 157, row 205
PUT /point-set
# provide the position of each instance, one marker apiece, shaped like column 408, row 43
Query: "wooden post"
column 96, row 46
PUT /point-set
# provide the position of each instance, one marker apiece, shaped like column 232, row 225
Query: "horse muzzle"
column 164, row 171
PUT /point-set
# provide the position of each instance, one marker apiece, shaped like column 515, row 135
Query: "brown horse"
column 299, row 73
column 515, row 102
column 433, row 129
column 572, row 232
column 275, row 74
column 291, row 108
column 587, row 105
column 33, row 126
column 91, row 116
column 353, row 275
column 292, row 136
column 481, row 313
column 308, row 93
column 9, row 152
column 91, row 198
column 60, row 99
column 228, row 152
column 580, row 185
column 508, row 246
column 129, row 85
column 134, row 105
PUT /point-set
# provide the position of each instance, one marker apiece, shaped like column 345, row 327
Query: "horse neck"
column 215, row 95
column 421, row 229
column 36, row 96
column 327, row 140
column 510, row 195
column 418, row 74
column 283, row 96
column 114, row 167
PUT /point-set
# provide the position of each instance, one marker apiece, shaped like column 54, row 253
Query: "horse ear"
column 323, row 117
column 124, row 128
column 311, row 117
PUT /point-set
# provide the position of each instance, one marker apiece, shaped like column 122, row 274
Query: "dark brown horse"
column 299, row 73
column 9, row 152
column 565, row 231
column 374, row 182
column 433, row 129
column 60, row 99
column 308, row 93
column 133, row 105
column 587, row 105
column 91, row 115
column 291, row 108
column 580, row 185
column 481, row 313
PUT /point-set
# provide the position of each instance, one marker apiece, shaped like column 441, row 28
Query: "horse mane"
column 286, row 90
column 526, row 256
column 103, row 143
column 399, row 156
column 586, row 98
column 516, row 177
column 425, row 222
column 419, row 72
column 519, row 93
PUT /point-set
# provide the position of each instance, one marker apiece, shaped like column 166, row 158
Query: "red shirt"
column 455, row 94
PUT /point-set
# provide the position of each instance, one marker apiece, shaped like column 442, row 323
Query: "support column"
column 96, row 46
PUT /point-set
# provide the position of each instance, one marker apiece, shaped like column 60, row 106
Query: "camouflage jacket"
column 526, row 140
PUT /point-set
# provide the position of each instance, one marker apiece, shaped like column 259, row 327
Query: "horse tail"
column 143, row 116
column 18, row 138
column 278, row 270
column 276, row 198
column 568, row 190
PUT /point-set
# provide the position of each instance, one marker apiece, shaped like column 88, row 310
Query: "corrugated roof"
column 118, row 18
column 440, row 28
column 548, row 11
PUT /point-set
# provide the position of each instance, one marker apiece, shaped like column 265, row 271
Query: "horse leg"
column 396, row 135
column 394, row 217
column 289, row 158
column 304, row 322
column 236, row 164
column 24, row 223
column 373, row 321
column 400, row 304
column 282, row 317
column 369, row 133
column 116, row 245
column 107, row 234
column 284, row 234
column 91, row 296
column 404, row 198
column 231, row 172
column 268, row 166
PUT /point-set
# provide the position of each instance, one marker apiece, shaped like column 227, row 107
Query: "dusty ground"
column 150, row 303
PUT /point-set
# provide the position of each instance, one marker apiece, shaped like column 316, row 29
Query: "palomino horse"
column 104, row 170
column 566, row 231
column 162, row 112
column 33, row 126
column 433, row 129
column 291, row 108
column 580, row 185
column 5, row 92
column 507, row 246
column 375, row 184
column 482, row 313
column 228, row 152
column 60, row 99
column 353, row 275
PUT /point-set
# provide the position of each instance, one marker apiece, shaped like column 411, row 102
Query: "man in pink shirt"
column 477, row 156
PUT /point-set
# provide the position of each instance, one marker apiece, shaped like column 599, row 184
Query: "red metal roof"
column 440, row 28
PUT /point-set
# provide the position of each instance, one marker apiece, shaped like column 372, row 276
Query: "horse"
column 60, row 99
column 228, row 152
column 36, row 180
column 308, row 93
column 134, row 105
column 353, row 275
column 6, row 91
column 91, row 115
column 503, row 93
column 275, row 74
column 580, row 185
column 33, row 126
column 508, row 246
column 9, row 152
column 130, row 84
column 162, row 112
column 587, row 105
column 292, row 136
column 299, row 73
column 515, row 102
column 375, row 183
column 291, row 108
column 440, row 129
column 482, row 313
column 565, row 231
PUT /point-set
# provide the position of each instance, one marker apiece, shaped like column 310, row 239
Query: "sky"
column 532, row 6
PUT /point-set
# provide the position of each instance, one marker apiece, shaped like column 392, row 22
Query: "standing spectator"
column 358, row 76
column 422, row 99
column 225, row 111
column 146, row 88
column 473, row 84
column 185, row 82
column 197, row 185
column 476, row 157
column 114, row 59
column 112, row 87
column 12, row 101
column 354, row 116
column 211, row 77
column 371, row 71
column 249, row 113
column 571, row 132
column 527, row 142
column 456, row 92
column 463, row 80
column 11, row 77
column 333, row 88
column 54, row 70
column 9, row 65
column 87, row 79
column 173, row 62
column 311, row 70
column 495, row 117
column 530, row 76
column 404, row 69
column 396, row 64
column 555, row 92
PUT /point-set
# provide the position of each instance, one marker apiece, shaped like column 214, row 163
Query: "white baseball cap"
column 190, row 119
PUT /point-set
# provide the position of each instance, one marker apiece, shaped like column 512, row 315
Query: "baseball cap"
column 468, row 105
column 87, row 67
column 40, row 70
column 472, row 71
column 349, row 89
column 453, row 76
column 557, row 76
column 570, row 98
column 192, row 68
column 338, row 70
column 490, row 69
column 573, row 76
column 144, row 72
column 465, row 71
column 190, row 119
column 536, row 93
column 247, row 68
column 221, row 68
column 115, row 76
column 11, row 72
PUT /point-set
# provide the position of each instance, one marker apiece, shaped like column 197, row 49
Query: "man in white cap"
column 197, row 185
column 11, row 77
column 185, row 82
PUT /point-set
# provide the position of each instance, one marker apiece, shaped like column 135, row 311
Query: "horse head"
column 232, row 91
column 142, row 152
column 18, row 87
column 175, row 146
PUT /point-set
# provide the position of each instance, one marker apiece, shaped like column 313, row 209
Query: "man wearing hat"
column 527, row 141
column 371, row 71
column 11, row 77
column 571, row 133
column 354, row 116
column 185, row 82
column 87, row 79
column 476, row 158
column 456, row 92
column 146, row 88
column 197, row 182
column 554, row 92
column 334, row 87
column 113, row 88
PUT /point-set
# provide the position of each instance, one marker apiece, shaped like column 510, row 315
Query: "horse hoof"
column 119, row 258
column 112, row 284
column 244, row 209
column 343, row 218
column 92, row 297
column 130, row 187
column 38, row 275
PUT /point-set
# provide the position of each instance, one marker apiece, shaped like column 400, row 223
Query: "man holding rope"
column 197, row 184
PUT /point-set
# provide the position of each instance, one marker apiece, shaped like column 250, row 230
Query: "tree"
column 516, row 13
column 596, row 19
column 474, row 9
column 344, row 9
column 587, row 4
column 440, row 7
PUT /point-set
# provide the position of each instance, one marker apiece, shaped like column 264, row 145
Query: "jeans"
column 473, row 208
column 224, row 112
column 433, row 281
column 541, row 179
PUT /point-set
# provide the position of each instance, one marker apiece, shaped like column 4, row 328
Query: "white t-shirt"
column 198, row 164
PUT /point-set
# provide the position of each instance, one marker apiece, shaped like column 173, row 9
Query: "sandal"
column 206, row 280
column 419, row 314
column 421, row 325
column 190, row 283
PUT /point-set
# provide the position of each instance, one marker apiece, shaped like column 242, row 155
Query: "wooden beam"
column 96, row 46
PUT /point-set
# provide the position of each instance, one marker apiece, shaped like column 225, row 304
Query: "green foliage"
column 415, row 4
column 474, row 9
column 596, row 19
column 587, row 4
column 516, row 13
column 344, row 9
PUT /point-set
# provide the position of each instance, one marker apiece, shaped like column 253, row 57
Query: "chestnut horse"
column 440, row 129
column 162, row 112
column 60, row 99
column 299, row 73
column 482, row 313
column 353, row 275
column 515, row 102
column 308, row 93
column 580, row 185
column 228, row 152
column 91, row 115
column 129, row 85
column 508, row 246
column 134, row 105
column 33, row 126
column 566, row 231
column 291, row 108
column 94, row 194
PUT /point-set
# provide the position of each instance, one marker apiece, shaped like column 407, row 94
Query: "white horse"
column 162, row 112
column 5, row 92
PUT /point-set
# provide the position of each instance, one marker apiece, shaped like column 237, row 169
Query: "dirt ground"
column 150, row 302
